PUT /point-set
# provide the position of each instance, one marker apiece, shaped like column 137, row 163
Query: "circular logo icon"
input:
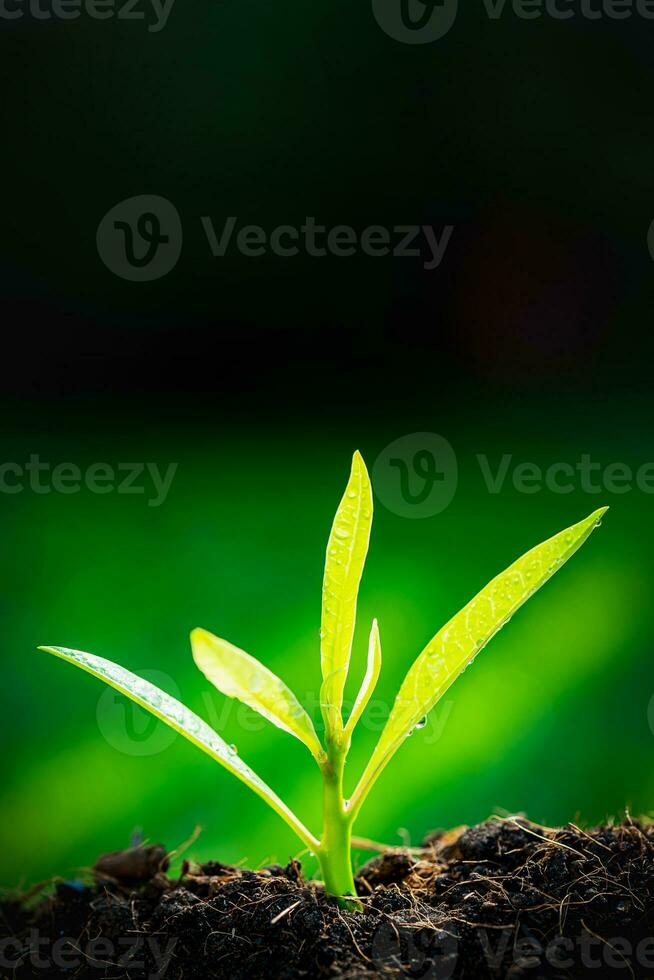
column 414, row 952
column 140, row 239
column 130, row 729
column 415, row 21
column 416, row 476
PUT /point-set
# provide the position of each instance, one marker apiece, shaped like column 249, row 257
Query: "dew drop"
column 421, row 723
column 233, row 750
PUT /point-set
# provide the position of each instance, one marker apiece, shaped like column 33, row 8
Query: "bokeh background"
column 259, row 377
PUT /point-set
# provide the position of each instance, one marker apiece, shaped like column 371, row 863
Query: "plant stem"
column 334, row 853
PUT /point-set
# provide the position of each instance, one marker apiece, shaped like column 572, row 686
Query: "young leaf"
column 238, row 675
column 369, row 681
column 184, row 721
column 346, row 555
column 456, row 644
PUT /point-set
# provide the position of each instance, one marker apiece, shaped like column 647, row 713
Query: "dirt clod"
column 133, row 864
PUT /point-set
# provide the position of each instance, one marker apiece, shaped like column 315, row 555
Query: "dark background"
column 259, row 376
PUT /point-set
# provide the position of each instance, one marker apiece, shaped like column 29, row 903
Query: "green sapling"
column 238, row 675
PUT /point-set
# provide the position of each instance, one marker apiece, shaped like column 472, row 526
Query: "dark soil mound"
column 506, row 899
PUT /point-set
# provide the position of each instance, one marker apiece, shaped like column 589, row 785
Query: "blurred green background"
column 259, row 377
column 552, row 719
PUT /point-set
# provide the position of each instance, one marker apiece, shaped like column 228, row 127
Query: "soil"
column 505, row 899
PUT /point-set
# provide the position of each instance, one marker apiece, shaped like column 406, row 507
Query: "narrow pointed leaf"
column 459, row 641
column 238, row 675
column 369, row 681
column 346, row 555
column 184, row 721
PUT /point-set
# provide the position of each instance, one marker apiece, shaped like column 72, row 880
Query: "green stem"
column 334, row 853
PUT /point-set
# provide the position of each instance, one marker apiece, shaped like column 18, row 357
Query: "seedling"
column 238, row 675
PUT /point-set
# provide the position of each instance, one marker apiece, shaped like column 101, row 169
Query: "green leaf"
column 238, row 675
column 456, row 645
column 369, row 681
column 184, row 721
column 346, row 555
